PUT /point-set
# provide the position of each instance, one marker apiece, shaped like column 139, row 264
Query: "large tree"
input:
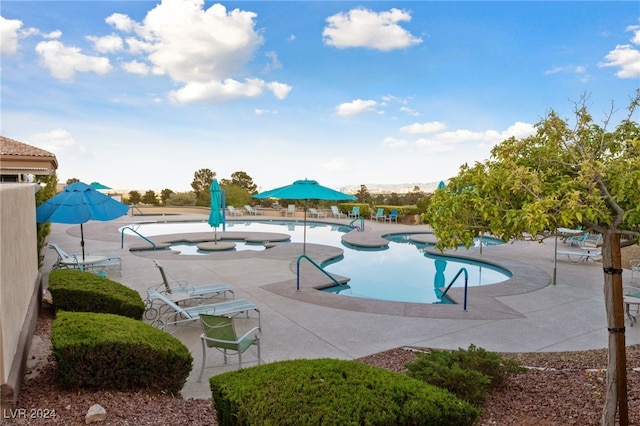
column 201, row 182
column 243, row 180
column 565, row 175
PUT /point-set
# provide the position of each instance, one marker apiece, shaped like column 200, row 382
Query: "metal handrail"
column 304, row 256
column 361, row 219
column 466, row 285
column 138, row 234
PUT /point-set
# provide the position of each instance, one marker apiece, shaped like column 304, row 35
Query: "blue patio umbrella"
column 305, row 189
column 215, row 217
column 79, row 203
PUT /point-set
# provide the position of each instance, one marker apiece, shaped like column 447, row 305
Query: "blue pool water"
column 403, row 272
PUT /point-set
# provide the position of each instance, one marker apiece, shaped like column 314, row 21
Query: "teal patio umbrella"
column 98, row 185
column 215, row 217
column 79, row 203
column 305, row 190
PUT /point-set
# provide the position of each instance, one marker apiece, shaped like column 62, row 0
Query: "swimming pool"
column 402, row 272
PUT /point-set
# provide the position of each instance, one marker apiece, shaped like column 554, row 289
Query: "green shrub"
column 465, row 373
column 106, row 351
column 80, row 291
column 332, row 392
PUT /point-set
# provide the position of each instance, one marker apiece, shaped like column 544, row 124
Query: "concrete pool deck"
column 526, row 314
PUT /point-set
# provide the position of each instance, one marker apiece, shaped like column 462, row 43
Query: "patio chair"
column 337, row 213
column 252, row 211
column 631, row 298
column 220, row 333
column 355, row 212
column 233, row 212
column 170, row 313
column 180, row 290
column 74, row 261
column 379, row 214
column 393, row 217
column 316, row 213
column 635, row 272
column 291, row 210
column 577, row 241
column 594, row 240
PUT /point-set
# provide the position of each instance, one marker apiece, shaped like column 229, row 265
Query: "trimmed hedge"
column 332, row 392
column 80, row 291
column 106, row 351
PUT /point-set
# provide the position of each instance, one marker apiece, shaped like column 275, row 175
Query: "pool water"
column 403, row 272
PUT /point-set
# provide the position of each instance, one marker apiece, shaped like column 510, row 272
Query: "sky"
column 141, row 95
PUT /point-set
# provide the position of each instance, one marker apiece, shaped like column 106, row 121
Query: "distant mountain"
column 388, row 188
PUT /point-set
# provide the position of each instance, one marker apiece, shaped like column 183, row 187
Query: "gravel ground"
column 560, row 388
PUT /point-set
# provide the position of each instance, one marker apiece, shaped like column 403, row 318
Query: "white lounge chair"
column 180, row 290
column 337, row 213
column 173, row 314
column 316, row 213
column 76, row 261
column 252, row 211
column 233, row 212
column 291, row 210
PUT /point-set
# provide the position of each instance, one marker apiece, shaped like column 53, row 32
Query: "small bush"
column 465, row 373
column 332, row 392
column 106, row 351
column 80, row 291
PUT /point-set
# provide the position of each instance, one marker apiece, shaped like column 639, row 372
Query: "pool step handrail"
column 138, row 234
column 466, row 285
column 304, row 256
column 358, row 228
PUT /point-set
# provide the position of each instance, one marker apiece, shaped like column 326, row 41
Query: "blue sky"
column 140, row 95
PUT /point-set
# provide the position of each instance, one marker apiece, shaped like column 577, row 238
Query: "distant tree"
column 236, row 195
column 181, row 199
column 242, row 180
column 151, row 198
column 135, row 197
column 363, row 194
column 201, row 182
column 394, row 199
column 563, row 176
column 416, row 189
column 165, row 194
column 72, row 180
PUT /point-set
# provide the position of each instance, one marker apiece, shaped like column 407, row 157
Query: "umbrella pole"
column 304, row 241
column 82, row 241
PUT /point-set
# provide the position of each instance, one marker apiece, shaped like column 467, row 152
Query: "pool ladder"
column 466, row 285
column 356, row 227
column 138, row 234
column 304, row 256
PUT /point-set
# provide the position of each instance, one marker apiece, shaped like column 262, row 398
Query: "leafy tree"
column 201, row 182
column 242, row 180
column 363, row 194
column 44, row 193
column 135, row 197
column 165, row 194
column 236, row 195
column 181, row 199
column 72, row 180
column 150, row 197
column 559, row 177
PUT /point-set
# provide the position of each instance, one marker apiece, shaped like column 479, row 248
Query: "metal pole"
column 555, row 260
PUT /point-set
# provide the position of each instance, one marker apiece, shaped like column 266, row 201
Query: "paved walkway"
column 524, row 314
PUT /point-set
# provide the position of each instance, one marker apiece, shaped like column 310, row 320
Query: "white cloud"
column 395, row 143
column 135, row 67
column 9, row 35
column 274, row 63
column 337, row 164
column 226, row 90
column 56, row 141
column 421, row 128
column 107, row 44
column 626, row 57
column 63, row 62
column 431, row 146
column 121, row 22
column 260, row 111
column 410, row 111
column 355, row 107
column 279, row 90
column 365, row 28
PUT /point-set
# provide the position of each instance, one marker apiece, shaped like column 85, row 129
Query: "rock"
column 95, row 414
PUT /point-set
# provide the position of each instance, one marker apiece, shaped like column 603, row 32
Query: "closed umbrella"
column 79, row 203
column 305, row 190
column 215, row 217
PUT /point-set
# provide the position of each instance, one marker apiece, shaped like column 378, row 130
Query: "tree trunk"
column 616, row 385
